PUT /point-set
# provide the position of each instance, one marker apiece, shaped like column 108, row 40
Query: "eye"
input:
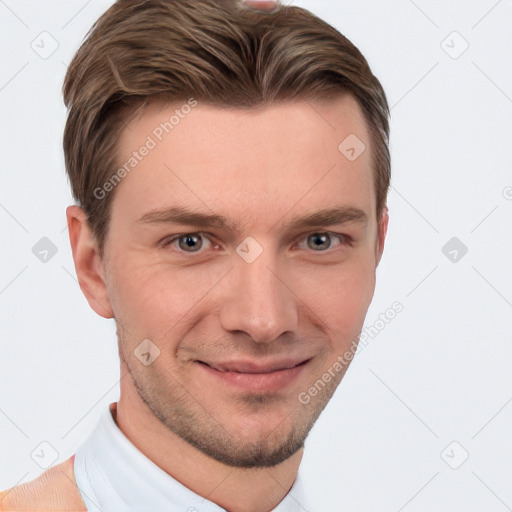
column 189, row 242
column 320, row 242
column 197, row 242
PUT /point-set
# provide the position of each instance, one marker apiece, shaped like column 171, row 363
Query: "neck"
column 240, row 489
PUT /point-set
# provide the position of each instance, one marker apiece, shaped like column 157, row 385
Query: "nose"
column 258, row 302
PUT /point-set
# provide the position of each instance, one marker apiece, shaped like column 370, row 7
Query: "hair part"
column 217, row 52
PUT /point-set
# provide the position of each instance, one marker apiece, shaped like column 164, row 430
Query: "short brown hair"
column 214, row 51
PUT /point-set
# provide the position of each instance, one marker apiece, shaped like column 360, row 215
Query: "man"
column 231, row 167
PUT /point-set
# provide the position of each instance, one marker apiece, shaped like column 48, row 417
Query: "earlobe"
column 88, row 263
column 382, row 232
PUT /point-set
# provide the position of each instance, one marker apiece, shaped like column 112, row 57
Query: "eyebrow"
column 321, row 218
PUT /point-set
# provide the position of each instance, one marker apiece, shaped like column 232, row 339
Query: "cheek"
column 152, row 299
column 340, row 296
column 140, row 296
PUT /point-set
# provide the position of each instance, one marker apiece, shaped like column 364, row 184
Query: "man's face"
column 249, row 315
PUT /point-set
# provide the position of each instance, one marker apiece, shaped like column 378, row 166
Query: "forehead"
column 247, row 164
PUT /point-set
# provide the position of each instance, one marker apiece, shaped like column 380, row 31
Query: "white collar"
column 115, row 476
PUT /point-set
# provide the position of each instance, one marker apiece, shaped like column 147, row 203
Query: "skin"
column 261, row 5
column 205, row 304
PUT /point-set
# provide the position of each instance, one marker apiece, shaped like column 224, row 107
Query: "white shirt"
column 115, row 476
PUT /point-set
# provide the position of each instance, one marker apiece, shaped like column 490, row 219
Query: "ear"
column 381, row 237
column 88, row 263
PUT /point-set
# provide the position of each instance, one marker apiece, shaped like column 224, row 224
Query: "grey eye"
column 190, row 243
column 320, row 241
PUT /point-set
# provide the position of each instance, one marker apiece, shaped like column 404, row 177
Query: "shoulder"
column 53, row 490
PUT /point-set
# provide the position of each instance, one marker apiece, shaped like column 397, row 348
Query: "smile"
column 250, row 376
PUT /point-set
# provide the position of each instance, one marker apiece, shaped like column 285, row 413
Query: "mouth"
column 253, row 376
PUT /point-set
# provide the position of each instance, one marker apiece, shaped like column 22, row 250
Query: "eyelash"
column 344, row 240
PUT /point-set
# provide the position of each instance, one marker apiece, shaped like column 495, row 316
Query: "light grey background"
column 438, row 373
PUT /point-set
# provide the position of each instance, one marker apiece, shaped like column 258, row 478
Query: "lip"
column 256, row 377
column 252, row 367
